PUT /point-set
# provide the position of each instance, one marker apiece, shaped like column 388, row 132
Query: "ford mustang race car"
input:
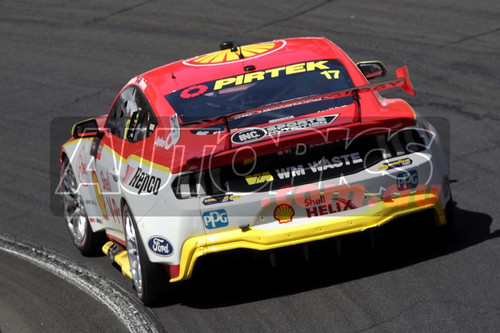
column 254, row 147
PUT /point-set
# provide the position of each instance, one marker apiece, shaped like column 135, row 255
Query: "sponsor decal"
column 95, row 220
column 194, row 91
column 248, row 135
column 220, row 199
column 319, row 166
column 81, row 166
column 96, row 148
column 113, row 207
column 128, row 173
column 252, row 134
column 271, row 73
column 215, row 219
column 229, row 55
column 141, row 82
column 212, row 129
column 144, row 182
column 205, row 132
column 301, row 124
column 164, row 143
column 160, row 246
column 396, row 164
column 99, row 152
column 99, row 196
column 106, row 184
column 322, row 208
column 358, row 195
column 175, row 129
column 173, row 137
column 284, row 213
column 407, row 180
column 259, row 178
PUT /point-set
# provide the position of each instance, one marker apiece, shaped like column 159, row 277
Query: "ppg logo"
column 407, row 180
column 215, row 219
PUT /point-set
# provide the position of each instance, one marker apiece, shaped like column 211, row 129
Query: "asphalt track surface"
column 69, row 59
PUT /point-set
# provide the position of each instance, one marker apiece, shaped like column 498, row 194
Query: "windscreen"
column 261, row 88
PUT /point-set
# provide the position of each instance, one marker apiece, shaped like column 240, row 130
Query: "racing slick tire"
column 148, row 278
column 86, row 241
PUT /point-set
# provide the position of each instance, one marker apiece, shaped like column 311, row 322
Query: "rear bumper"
column 257, row 239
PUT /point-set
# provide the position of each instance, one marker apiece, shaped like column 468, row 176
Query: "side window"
column 144, row 122
column 131, row 117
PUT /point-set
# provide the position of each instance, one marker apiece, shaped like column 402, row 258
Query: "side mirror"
column 372, row 69
column 85, row 129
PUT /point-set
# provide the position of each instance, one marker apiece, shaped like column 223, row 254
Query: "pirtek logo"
column 144, row 182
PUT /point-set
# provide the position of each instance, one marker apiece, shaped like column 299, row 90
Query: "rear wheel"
column 77, row 221
column 148, row 277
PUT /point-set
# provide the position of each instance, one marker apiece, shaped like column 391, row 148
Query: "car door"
column 130, row 121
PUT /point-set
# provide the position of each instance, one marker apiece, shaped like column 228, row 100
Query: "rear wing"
column 402, row 80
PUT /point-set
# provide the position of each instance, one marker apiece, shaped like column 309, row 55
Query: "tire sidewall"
column 151, row 273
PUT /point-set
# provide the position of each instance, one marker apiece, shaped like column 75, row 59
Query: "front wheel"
column 148, row 277
column 77, row 221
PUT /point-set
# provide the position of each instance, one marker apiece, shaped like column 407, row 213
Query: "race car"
column 253, row 147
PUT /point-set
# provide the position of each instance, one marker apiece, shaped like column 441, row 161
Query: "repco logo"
column 249, row 135
column 145, row 182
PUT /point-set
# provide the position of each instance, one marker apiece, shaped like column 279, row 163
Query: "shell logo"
column 225, row 56
column 284, row 213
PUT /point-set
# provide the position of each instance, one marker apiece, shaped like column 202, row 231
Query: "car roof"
column 220, row 64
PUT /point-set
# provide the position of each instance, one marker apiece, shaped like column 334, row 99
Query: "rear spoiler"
column 402, row 80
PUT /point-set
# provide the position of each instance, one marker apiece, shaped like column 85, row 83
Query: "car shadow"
column 238, row 277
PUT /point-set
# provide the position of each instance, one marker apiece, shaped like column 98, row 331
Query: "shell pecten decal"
column 284, row 213
column 228, row 55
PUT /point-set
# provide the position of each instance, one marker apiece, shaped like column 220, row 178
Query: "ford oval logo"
column 160, row 246
column 248, row 135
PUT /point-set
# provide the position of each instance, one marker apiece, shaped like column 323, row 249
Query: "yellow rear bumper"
column 258, row 239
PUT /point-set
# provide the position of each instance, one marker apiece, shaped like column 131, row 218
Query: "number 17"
column 328, row 75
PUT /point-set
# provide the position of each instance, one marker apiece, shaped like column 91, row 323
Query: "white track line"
column 127, row 309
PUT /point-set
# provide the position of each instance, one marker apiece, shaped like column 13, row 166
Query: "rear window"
column 260, row 88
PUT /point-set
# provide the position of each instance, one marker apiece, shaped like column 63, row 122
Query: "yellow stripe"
column 73, row 142
column 138, row 159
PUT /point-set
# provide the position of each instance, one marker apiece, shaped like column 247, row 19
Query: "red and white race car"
column 258, row 147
